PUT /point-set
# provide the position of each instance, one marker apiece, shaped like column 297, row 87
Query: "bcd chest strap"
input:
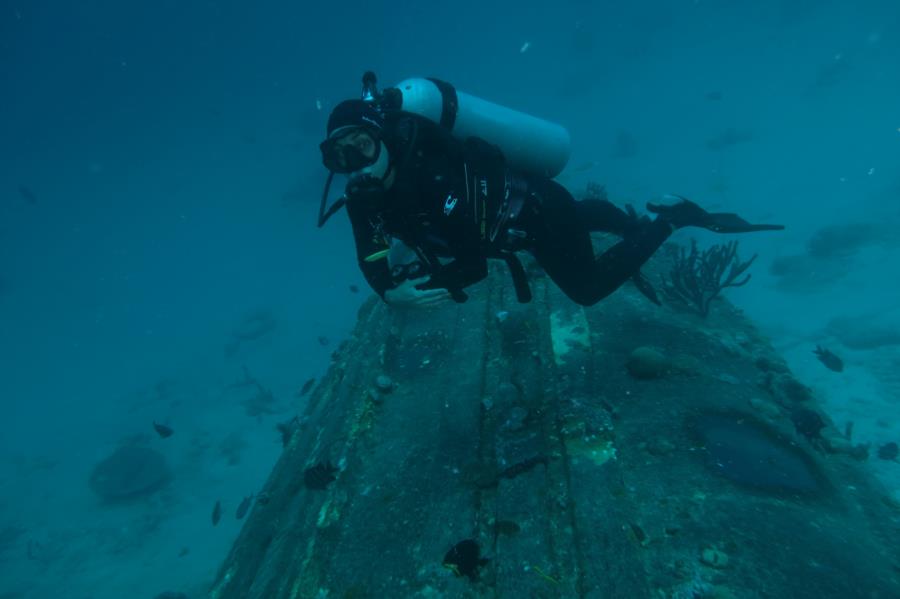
column 519, row 278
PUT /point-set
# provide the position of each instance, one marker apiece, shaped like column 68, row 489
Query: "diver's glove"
column 407, row 295
column 688, row 214
column 438, row 281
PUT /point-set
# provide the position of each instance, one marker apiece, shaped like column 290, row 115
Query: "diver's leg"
column 563, row 248
column 603, row 215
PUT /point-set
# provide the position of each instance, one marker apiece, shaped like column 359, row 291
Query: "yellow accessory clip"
column 377, row 255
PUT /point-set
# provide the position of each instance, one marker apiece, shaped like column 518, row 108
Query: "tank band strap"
column 450, row 103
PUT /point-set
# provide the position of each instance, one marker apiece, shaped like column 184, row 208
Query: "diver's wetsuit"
column 459, row 200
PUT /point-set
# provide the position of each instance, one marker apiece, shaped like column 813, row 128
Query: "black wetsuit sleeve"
column 371, row 248
column 464, row 270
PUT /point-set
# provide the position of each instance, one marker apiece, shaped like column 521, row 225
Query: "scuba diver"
column 459, row 180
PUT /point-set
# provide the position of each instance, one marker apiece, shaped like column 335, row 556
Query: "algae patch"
column 598, row 448
column 568, row 331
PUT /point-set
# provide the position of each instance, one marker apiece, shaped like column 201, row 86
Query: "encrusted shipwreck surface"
column 580, row 467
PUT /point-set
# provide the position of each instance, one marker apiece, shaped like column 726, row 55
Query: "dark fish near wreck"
column 287, row 430
column 162, row 430
column 889, row 451
column 354, row 289
column 323, row 341
column 318, row 477
column 831, row 361
column 464, row 559
column 306, row 387
column 217, row 513
column 244, row 507
column 809, row 424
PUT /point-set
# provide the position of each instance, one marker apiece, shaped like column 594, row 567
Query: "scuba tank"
column 529, row 144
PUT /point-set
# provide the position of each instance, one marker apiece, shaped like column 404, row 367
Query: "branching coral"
column 595, row 191
column 697, row 278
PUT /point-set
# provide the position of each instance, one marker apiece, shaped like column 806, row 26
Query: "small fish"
column 184, row 551
column 831, row 361
column 464, row 559
column 27, row 195
column 306, row 387
column 585, row 167
column 162, row 430
column 244, row 507
column 808, row 423
column 287, row 430
column 217, row 513
column 354, row 289
column 323, row 341
column 318, row 477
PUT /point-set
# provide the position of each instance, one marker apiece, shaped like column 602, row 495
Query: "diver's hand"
column 405, row 295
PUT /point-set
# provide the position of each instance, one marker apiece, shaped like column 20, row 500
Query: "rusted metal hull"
column 520, row 426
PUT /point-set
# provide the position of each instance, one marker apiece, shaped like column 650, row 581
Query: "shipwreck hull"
column 529, row 429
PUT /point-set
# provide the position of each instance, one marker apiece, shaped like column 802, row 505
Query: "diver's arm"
column 371, row 249
column 457, row 274
column 377, row 275
column 469, row 263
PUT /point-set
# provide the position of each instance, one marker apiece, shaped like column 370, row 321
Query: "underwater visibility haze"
column 206, row 394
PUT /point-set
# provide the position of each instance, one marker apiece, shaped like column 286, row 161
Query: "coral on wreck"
column 697, row 278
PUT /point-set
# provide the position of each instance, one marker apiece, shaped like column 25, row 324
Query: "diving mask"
column 350, row 149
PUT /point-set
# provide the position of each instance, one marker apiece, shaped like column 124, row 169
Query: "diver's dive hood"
column 529, row 144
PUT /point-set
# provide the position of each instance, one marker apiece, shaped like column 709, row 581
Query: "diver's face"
column 358, row 139
column 349, row 151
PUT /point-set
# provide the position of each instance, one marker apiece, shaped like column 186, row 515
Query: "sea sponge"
column 648, row 363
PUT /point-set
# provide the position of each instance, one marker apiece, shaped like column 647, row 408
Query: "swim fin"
column 644, row 286
column 688, row 214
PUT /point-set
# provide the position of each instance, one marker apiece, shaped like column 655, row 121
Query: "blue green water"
column 159, row 179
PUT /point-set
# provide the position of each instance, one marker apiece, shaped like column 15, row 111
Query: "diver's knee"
column 582, row 297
